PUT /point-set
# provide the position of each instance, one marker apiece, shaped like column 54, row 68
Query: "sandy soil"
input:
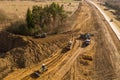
column 104, row 51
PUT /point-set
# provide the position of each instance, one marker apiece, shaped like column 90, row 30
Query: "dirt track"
column 104, row 51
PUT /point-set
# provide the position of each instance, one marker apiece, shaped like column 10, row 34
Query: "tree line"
column 47, row 18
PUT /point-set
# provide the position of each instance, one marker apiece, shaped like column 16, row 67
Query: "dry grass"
column 111, row 15
column 17, row 9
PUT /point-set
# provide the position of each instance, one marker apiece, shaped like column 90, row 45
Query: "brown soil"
column 98, row 61
column 20, row 52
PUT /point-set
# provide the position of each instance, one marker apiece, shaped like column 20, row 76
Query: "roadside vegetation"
column 41, row 19
column 116, row 8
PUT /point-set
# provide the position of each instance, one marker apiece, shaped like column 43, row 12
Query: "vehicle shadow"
column 83, row 45
column 33, row 75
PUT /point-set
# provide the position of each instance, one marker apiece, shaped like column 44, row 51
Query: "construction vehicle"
column 43, row 35
column 87, row 42
column 85, row 36
column 86, row 39
column 41, row 71
column 44, row 68
column 68, row 47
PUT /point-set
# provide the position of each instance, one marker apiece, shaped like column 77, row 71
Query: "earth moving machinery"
column 43, row 35
column 68, row 47
column 85, row 36
column 41, row 71
column 87, row 42
column 86, row 39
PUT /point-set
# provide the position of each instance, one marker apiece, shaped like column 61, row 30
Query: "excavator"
column 85, row 36
column 86, row 39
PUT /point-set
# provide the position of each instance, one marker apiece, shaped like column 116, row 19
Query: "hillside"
column 21, row 52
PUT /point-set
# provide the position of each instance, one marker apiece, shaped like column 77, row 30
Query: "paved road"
column 114, row 27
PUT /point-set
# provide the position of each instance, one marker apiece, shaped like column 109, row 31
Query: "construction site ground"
column 104, row 53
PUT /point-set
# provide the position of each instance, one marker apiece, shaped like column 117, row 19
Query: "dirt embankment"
column 20, row 52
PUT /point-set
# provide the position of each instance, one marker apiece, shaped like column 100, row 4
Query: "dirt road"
column 108, row 51
column 103, row 51
column 114, row 27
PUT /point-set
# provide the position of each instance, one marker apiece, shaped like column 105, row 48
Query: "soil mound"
column 21, row 52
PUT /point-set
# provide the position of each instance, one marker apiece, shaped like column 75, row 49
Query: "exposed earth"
column 21, row 56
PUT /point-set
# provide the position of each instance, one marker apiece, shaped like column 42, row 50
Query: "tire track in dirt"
column 54, row 62
column 107, row 54
column 73, row 60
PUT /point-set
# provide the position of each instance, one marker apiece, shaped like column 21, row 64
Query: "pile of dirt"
column 21, row 52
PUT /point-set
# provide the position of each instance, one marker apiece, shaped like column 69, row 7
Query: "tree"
column 58, row 13
column 47, row 17
column 30, row 19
